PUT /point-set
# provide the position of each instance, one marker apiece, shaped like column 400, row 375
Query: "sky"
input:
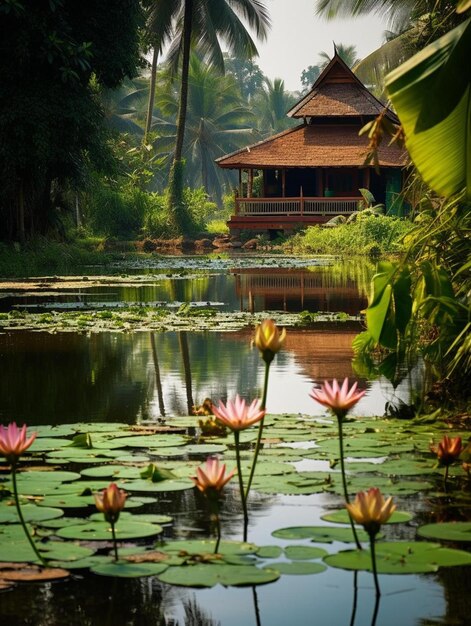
column 297, row 35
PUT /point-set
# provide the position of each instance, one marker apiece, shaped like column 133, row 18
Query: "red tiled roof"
column 312, row 146
column 337, row 99
column 338, row 93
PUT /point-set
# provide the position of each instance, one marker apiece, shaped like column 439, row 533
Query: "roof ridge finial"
column 336, row 53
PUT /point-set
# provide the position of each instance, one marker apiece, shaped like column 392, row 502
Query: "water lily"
column 110, row 502
column 371, row 510
column 269, row 339
column 13, row 442
column 238, row 415
column 448, row 451
column 210, row 480
column 340, row 399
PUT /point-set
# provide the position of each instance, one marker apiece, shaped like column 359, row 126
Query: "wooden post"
column 367, row 178
column 250, row 185
column 283, row 183
column 236, row 202
column 302, row 201
column 241, row 190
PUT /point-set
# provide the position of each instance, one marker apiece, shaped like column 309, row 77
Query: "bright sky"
column 297, row 35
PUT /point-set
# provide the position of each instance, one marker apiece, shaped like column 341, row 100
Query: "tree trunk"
column 177, row 212
column 150, row 106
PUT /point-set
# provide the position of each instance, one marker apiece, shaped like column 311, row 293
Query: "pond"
column 111, row 380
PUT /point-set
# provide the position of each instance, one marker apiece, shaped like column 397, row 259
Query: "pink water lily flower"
column 238, row 415
column 13, row 442
column 212, row 477
column 110, row 502
column 340, row 399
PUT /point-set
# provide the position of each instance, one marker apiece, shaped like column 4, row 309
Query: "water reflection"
column 68, row 377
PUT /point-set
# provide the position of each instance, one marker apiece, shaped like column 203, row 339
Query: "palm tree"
column 348, row 54
column 160, row 18
column 204, row 23
column 217, row 122
column 270, row 107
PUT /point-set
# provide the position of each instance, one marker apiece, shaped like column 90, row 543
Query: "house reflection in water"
column 295, row 290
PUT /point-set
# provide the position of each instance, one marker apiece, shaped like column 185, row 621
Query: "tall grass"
column 369, row 235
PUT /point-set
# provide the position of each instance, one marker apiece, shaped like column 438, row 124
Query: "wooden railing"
column 295, row 206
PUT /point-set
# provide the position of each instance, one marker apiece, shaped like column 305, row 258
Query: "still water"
column 134, row 378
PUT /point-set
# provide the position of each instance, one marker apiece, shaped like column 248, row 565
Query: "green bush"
column 367, row 235
column 114, row 213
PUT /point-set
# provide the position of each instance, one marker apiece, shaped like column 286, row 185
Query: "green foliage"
column 422, row 303
column 117, row 213
column 432, row 96
column 51, row 122
column 157, row 223
column 380, row 233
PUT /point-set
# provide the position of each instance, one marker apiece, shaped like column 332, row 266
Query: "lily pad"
column 298, row 567
column 211, row 574
column 302, row 553
column 320, row 534
column 124, row 569
column 31, row 513
column 405, row 557
column 269, row 552
column 341, row 517
column 101, row 530
column 447, row 531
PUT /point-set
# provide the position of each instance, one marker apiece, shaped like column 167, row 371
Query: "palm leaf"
column 432, row 96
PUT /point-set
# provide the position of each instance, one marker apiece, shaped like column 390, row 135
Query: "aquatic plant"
column 370, row 509
column 13, row 443
column 238, row 416
column 210, row 480
column 340, row 400
column 110, row 502
column 448, row 451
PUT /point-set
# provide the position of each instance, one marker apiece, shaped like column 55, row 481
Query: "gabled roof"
column 313, row 145
column 338, row 93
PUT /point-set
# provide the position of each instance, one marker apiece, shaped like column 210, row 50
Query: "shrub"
column 119, row 214
column 378, row 234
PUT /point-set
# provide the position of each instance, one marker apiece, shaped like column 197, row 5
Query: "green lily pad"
column 142, row 441
column 269, row 552
column 67, row 501
column 211, row 574
column 124, row 569
column 206, row 546
column 45, row 444
column 298, row 567
column 85, row 563
column 206, row 448
column 302, row 553
column 143, row 485
column 341, row 517
column 31, row 513
column 447, row 531
column 101, row 531
column 405, row 557
column 320, row 534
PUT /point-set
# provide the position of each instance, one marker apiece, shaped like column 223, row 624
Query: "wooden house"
column 314, row 170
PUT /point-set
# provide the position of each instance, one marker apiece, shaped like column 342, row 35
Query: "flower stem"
column 344, row 482
column 115, row 543
column 241, row 484
column 22, row 519
column 218, row 531
column 445, row 479
column 373, row 563
column 260, row 429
